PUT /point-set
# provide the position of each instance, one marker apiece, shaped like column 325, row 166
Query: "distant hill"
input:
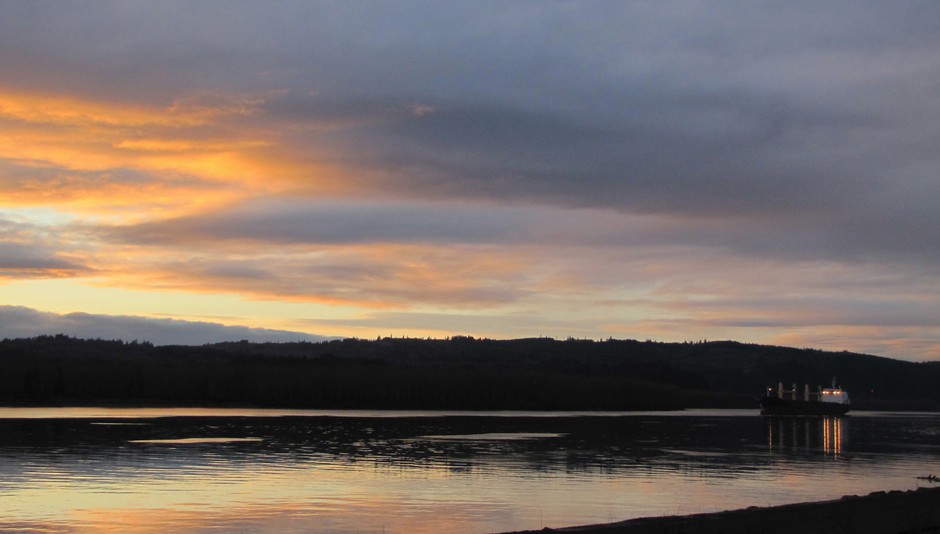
column 456, row 373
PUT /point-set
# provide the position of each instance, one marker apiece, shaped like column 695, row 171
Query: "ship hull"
column 777, row 406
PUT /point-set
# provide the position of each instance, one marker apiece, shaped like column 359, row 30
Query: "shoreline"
column 876, row 513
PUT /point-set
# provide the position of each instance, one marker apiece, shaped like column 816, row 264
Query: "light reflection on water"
column 827, row 433
column 464, row 473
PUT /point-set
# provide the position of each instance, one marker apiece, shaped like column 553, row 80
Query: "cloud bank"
column 21, row 322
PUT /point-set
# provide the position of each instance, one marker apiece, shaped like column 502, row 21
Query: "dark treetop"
column 456, row 373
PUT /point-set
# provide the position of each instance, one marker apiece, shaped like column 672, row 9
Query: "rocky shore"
column 892, row 512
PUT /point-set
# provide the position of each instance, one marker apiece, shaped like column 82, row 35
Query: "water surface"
column 196, row 470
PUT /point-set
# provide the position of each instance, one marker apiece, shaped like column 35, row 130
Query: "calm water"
column 99, row 470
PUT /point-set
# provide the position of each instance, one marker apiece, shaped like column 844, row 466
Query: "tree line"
column 456, row 373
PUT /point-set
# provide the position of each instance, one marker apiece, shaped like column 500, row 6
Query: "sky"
column 189, row 172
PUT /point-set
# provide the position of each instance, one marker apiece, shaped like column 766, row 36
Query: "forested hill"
column 457, row 373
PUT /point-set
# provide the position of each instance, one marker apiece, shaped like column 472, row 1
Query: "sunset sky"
column 190, row 172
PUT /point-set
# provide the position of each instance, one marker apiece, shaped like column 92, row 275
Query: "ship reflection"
column 827, row 434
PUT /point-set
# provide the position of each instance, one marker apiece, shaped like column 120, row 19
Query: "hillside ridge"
column 460, row 372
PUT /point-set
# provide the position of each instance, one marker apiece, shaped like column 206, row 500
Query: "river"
column 245, row 470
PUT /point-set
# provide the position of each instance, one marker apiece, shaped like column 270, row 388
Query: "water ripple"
column 459, row 474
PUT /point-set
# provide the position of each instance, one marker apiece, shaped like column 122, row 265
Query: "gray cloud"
column 30, row 251
column 18, row 260
column 870, row 231
column 18, row 321
column 447, row 277
column 337, row 221
column 656, row 107
column 800, row 132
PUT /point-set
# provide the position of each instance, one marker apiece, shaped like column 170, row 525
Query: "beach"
column 891, row 512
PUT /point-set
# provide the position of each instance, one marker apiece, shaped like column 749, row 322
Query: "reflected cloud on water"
column 366, row 474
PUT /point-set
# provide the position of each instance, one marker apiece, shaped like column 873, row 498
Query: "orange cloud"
column 185, row 145
column 369, row 276
column 61, row 110
column 89, row 156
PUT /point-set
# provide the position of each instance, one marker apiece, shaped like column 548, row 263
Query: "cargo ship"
column 828, row 401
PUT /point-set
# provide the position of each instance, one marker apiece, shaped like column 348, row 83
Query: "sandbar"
column 881, row 512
